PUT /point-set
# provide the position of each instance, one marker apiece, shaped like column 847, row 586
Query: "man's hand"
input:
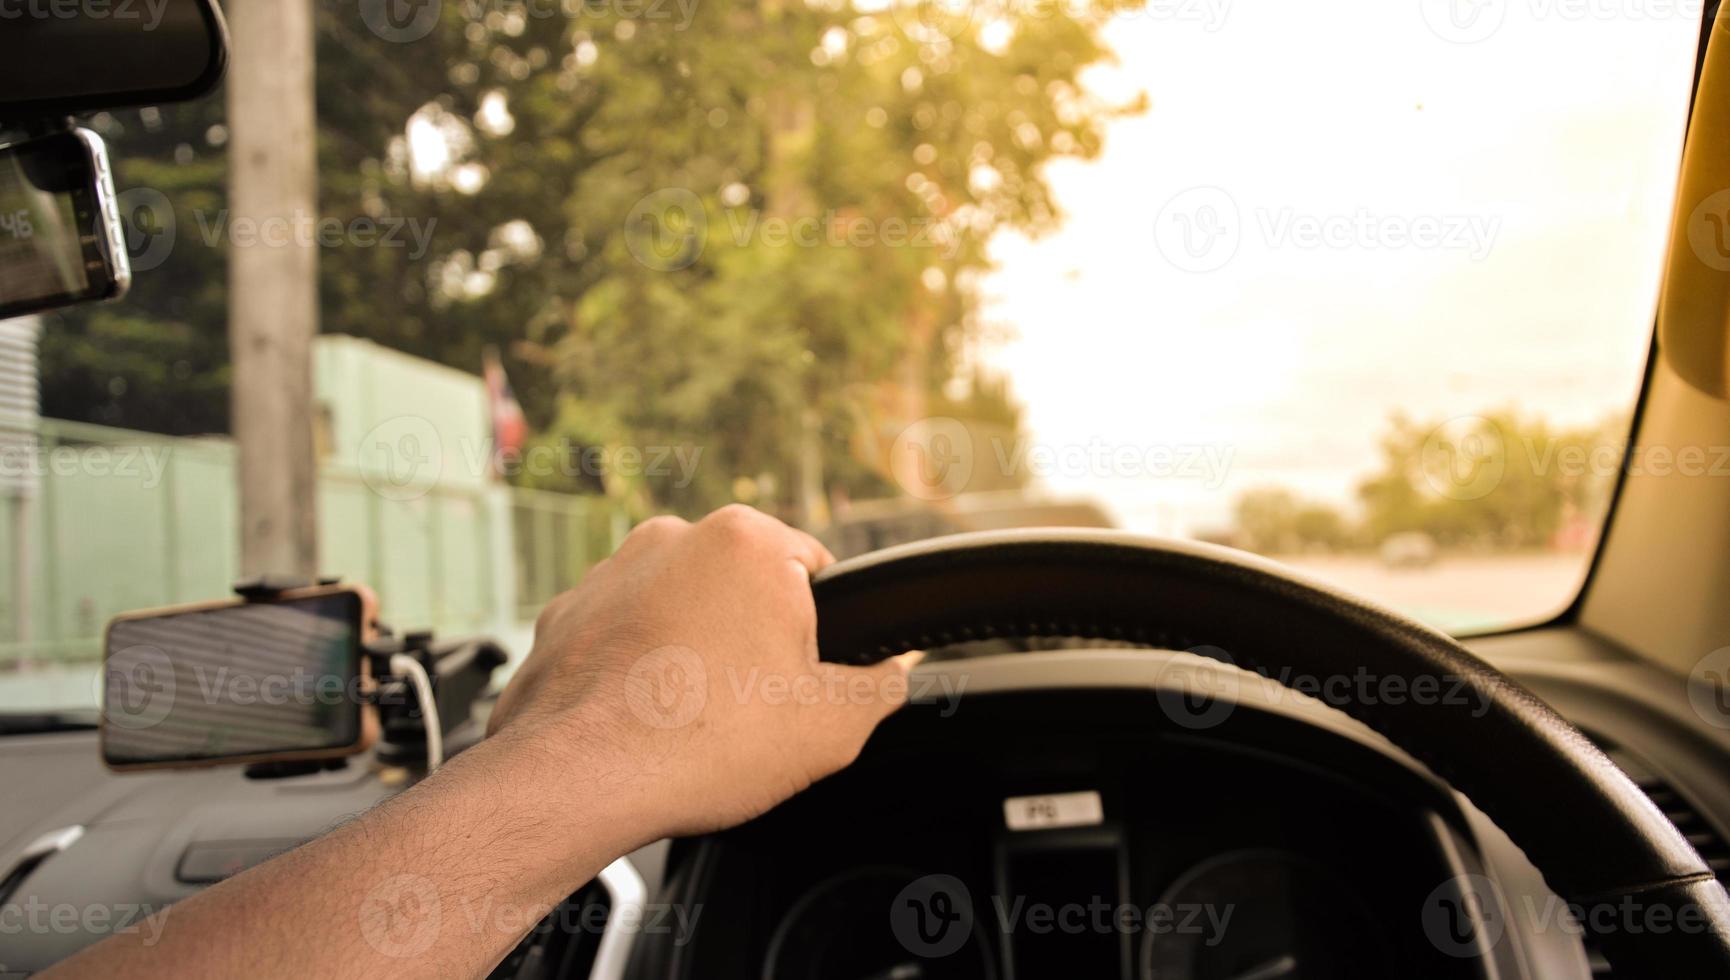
column 688, row 661
column 676, row 691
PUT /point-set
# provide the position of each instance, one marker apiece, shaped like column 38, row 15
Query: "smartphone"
column 61, row 237
column 280, row 680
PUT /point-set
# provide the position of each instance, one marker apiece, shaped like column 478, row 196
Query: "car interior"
column 1134, row 749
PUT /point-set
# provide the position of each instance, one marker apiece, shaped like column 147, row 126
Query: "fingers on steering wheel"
column 874, row 692
column 810, row 552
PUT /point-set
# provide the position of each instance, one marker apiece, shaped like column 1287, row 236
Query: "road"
column 1460, row 594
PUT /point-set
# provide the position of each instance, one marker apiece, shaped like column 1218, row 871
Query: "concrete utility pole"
column 273, row 281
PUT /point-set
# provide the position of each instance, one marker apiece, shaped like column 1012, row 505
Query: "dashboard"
column 1063, row 819
column 1084, row 834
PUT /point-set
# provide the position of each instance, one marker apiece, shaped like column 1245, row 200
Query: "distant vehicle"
column 1408, row 549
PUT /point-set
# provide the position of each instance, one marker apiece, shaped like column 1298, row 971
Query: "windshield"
column 1365, row 287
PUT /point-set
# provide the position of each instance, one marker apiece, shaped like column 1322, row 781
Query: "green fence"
column 556, row 537
column 124, row 520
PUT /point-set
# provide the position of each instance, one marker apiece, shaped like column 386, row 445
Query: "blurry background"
column 1367, row 287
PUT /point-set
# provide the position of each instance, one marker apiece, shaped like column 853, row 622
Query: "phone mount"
column 459, row 672
column 455, row 674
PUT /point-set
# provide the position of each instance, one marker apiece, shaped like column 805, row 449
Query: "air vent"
column 34, row 854
column 1701, row 832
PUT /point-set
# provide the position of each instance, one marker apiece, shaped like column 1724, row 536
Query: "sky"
column 1331, row 212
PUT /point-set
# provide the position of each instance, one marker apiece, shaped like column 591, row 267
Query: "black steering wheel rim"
column 1595, row 835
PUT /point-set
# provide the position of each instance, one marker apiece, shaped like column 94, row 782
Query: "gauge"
column 881, row 924
column 1263, row 915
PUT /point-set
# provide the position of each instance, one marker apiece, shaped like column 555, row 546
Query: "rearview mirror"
column 60, row 57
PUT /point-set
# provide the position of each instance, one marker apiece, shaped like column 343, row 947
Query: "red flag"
column 510, row 428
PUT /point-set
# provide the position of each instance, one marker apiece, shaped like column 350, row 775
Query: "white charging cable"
column 404, row 665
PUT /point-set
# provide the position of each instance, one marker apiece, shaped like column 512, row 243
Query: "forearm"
column 440, row 881
column 625, row 724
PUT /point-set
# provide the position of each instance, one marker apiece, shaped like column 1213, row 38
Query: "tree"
column 845, row 122
column 158, row 360
column 1273, row 520
column 1495, row 481
column 843, row 171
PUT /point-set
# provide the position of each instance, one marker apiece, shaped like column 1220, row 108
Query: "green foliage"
column 1499, row 481
column 1272, row 520
column 894, row 162
column 1495, row 482
column 849, row 170
column 157, row 361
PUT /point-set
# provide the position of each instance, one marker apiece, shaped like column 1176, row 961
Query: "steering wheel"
column 1597, row 838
